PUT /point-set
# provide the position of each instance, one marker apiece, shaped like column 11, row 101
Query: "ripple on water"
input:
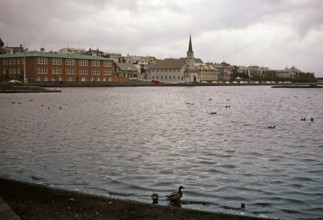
column 222, row 160
column 216, row 171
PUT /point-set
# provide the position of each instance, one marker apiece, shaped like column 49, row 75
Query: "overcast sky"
column 272, row 33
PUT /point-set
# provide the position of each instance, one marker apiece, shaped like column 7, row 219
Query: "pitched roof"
column 127, row 67
column 169, row 64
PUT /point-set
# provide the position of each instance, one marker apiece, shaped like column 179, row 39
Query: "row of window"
column 58, row 61
column 72, row 62
column 12, row 61
column 12, row 71
column 167, row 77
column 71, row 71
column 73, row 79
column 166, row 71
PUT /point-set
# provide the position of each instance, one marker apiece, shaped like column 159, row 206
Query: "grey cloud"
column 232, row 29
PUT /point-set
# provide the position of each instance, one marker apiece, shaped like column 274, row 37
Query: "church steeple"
column 190, row 46
column 190, row 61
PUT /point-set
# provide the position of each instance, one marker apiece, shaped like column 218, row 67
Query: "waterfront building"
column 225, row 71
column 207, row 72
column 288, row 73
column 56, row 67
column 126, row 70
column 175, row 70
column 141, row 62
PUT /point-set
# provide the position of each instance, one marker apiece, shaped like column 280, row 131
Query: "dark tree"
column 1, row 43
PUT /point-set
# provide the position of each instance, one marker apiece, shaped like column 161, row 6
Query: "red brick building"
column 56, row 67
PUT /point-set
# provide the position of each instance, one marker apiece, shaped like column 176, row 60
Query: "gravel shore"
column 33, row 201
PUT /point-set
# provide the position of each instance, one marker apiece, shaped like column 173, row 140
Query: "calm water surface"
column 131, row 142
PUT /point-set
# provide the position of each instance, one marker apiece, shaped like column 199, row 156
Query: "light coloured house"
column 288, row 73
column 175, row 70
column 207, row 72
column 125, row 70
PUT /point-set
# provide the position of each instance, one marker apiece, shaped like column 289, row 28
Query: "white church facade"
column 175, row 70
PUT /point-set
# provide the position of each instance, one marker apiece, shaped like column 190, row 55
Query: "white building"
column 71, row 51
column 207, row 72
column 288, row 73
column 175, row 70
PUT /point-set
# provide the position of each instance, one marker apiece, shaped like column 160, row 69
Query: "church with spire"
column 190, row 73
column 180, row 70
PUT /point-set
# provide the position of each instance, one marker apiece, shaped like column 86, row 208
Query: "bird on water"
column 155, row 197
column 175, row 197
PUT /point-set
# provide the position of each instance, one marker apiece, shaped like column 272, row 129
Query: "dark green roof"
column 127, row 67
column 54, row 55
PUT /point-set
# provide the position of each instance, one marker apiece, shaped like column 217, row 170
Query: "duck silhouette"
column 155, row 197
column 175, row 197
column 272, row 126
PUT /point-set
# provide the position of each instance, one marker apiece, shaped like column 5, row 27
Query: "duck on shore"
column 155, row 197
column 175, row 197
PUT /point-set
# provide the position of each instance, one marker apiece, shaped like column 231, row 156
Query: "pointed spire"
column 190, row 45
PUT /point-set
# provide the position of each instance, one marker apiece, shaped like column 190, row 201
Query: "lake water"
column 130, row 142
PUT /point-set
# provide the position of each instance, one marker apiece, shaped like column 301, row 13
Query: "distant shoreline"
column 34, row 201
column 7, row 88
column 45, row 87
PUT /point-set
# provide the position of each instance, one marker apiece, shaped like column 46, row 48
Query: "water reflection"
column 130, row 142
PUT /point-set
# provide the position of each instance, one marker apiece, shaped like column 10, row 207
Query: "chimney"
column 42, row 49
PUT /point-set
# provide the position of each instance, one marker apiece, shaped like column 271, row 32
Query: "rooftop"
column 53, row 55
column 127, row 67
column 169, row 64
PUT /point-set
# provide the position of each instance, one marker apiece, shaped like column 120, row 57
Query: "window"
column 42, row 60
column 83, row 63
column 106, row 72
column 107, row 63
column 57, row 61
column 42, row 70
column 95, row 63
column 95, row 72
column 70, row 62
column 83, row 72
column 57, row 70
column 70, row 71
column 5, row 62
column 18, row 61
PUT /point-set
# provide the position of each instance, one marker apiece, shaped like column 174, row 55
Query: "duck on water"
column 175, row 197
